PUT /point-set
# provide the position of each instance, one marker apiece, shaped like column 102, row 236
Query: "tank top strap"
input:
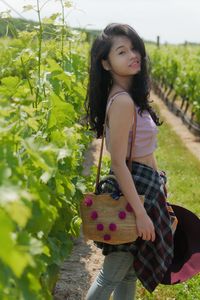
column 110, row 101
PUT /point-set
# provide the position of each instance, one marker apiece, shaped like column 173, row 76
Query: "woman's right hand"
column 145, row 227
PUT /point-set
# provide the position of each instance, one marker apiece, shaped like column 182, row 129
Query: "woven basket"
column 107, row 220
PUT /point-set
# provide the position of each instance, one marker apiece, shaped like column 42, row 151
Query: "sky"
column 175, row 21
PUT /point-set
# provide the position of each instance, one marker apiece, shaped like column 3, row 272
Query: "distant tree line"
column 10, row 26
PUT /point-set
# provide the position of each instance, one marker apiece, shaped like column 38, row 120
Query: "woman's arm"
column 120, row 122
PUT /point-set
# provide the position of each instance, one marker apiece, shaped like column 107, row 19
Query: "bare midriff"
column 148, row 160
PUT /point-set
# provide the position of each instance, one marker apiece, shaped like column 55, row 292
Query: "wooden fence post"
column 158, row 41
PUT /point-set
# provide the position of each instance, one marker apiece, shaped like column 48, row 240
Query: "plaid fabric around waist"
column 151, row 259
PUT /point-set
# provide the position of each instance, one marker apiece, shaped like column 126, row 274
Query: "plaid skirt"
column 151, row 259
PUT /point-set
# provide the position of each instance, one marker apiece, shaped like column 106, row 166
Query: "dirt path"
column 79, row 271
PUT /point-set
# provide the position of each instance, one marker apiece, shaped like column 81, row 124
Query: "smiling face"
column 123, row 60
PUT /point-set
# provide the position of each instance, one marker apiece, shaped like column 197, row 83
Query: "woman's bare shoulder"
column 121, row 112
column 122, row 102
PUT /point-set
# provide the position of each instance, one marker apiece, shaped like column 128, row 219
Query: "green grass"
column 183, row 169
column 183, row 173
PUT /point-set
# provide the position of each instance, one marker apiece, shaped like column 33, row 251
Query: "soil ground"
column 79, row 271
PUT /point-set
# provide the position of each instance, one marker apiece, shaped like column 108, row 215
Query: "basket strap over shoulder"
column 102, row 143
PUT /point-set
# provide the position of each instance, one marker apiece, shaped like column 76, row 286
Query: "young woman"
column 118, row 83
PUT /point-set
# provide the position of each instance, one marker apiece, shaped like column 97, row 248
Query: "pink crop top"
column 146, row 133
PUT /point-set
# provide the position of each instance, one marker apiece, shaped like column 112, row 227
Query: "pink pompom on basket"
column 88, row 201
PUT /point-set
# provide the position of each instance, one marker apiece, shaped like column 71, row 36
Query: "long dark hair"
column 100, row 80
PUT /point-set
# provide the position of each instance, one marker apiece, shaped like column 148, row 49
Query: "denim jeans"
column 117, row 275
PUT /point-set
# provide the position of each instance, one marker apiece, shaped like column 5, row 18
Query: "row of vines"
column 42, row 144
column 175, row 73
